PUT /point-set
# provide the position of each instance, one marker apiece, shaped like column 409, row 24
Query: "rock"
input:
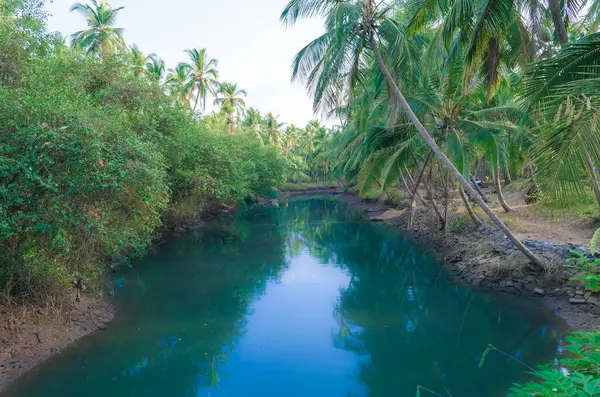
column 5, row 356
column 593, row 300
column 180, row 229
column 577, row 301
column 539, row 291
column 510, row 283
column 587, row 295
column 579, row 293
column 530, row 279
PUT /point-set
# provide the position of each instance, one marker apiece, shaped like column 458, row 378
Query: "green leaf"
column 594, row 242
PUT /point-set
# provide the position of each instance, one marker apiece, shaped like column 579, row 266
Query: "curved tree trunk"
column 413, row 204
column 445, row 160
column 558, row 21
column 483, row 196
column 414, row 189
column 433, row 202
column 468, row 206
column 498, row 185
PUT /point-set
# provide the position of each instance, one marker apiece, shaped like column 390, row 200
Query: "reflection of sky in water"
column 289, row 325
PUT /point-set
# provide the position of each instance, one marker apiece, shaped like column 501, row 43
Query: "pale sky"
column 252, row 47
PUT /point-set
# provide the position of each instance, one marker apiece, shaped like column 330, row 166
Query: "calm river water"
column 302, row 300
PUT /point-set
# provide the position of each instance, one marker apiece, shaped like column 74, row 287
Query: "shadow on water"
column 299, row 300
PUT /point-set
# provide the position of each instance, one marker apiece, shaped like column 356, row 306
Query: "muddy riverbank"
column 30, row 335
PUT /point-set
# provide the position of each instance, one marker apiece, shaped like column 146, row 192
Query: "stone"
column 577, row 301
column 5, row 356
column 539, row 291
column 587, row 295
column 510, row 283
column 593, row 300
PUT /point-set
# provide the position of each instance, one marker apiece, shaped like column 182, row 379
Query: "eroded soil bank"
column 31, row 335
column 484, row 258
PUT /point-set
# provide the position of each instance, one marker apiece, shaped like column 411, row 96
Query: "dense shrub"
column 93, row 159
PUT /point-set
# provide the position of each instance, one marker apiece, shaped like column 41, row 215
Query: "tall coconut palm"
column 204, row 75
column 231, row 100
column 155, row 67
column 180, row 84
column 101, row 37
column 353, row 27
column 137, row 60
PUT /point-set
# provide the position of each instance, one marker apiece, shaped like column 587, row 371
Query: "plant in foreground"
column 589, row 265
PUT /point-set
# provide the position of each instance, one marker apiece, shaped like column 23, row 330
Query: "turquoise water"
column 303, row 300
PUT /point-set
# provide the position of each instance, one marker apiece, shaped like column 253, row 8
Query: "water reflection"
column 296, row 301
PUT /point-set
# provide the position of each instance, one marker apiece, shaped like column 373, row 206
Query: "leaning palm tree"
column 155, row 67
column 180, row 84
column 352, row 28
column 204, row 75
column 137, row 60
column 231, row 100
column 101, row 37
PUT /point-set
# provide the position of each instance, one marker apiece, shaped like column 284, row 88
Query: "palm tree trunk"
column 444, row 159
column 483, row 196
column 413, row 204
column 558, row 21
column 468, row 206
column 414, row 188
column 196, row 101
column 496, row 173
column 433, row 203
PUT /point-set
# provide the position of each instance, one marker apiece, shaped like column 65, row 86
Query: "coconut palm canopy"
column 101, row 37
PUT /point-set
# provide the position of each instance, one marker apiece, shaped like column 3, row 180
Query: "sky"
column 245, row 36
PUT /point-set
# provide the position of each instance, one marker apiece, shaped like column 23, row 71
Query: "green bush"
column 93, row 160
column 578, row 375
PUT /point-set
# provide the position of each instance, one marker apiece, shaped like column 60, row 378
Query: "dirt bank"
column 29, row 335
column 484, row 258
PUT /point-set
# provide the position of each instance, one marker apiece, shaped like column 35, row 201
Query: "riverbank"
column 30, row 335
column 483, row 257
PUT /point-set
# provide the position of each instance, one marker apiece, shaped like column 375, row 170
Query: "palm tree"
column 353, row 27
column 204, row 75
column 155, row 67
column 273, row 127
column 231, row 100
column 180, row 84
column 561, row 94
column 253, row 122
column 101, row 37
column 137, row 60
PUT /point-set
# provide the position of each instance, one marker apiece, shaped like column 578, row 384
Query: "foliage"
column 574, row 376
column 96, row 155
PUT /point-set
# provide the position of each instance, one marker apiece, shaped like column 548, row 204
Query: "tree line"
column 101, row 146
column 438, row 94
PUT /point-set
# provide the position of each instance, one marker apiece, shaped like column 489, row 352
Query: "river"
column 301, row 300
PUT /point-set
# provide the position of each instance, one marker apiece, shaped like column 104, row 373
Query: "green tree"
column 101, row 37
column 155, row 67
column 204, row 75
column 352, row 28
column 137, row 60
column 231, row 100
column 180, row 84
